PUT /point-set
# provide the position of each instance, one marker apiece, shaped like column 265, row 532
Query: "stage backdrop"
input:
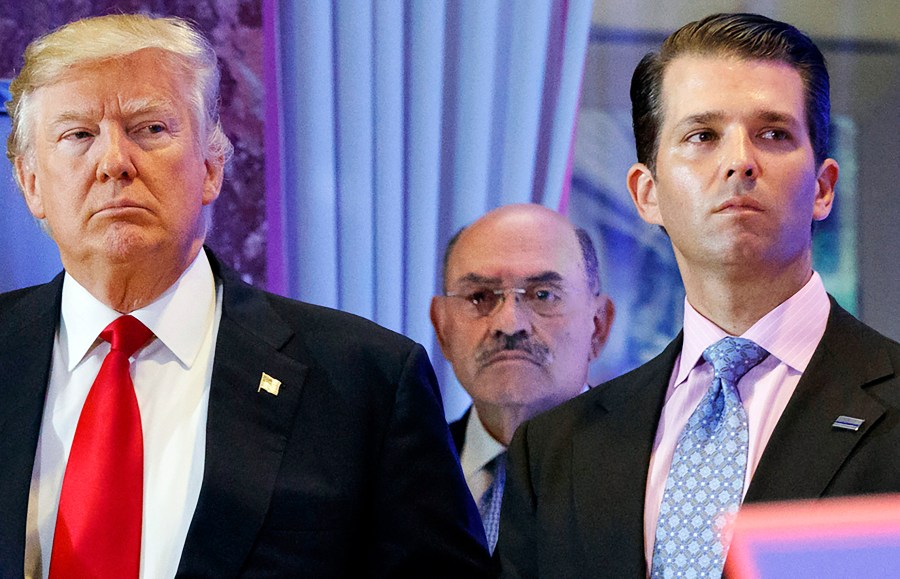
column 397, row 124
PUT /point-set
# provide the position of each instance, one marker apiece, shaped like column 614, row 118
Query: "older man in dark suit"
column 521, row 318
column 157, row 415
column 772, row 391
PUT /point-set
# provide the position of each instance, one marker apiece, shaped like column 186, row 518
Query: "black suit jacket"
column 347, row 472
column 458, row 430
column 574, row 499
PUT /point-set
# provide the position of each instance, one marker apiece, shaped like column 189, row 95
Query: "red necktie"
column 98, row 528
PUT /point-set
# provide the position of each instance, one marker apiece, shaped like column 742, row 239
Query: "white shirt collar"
column 480, row 447
column 178, row 318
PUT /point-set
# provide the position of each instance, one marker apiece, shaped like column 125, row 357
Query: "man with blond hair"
column 157, row 415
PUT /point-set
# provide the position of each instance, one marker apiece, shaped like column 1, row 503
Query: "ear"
column 212, row 183
column 642, row 187
column 825, row 182
column 604, row 314
column 25, row 177
column 438, row 319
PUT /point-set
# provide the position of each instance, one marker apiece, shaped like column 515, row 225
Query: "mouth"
column 119, row 208
column 742, row 204
column 509, row 356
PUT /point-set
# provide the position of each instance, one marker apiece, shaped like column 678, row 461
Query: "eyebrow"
column 543, row 277
column 129, row 109
column 711, row 117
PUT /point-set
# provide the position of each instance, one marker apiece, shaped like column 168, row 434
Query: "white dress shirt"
column 790, row 333
column 479, row 449
column 171, row 378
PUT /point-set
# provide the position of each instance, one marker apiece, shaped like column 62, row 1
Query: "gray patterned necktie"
column 706, row 480
column 489, row 506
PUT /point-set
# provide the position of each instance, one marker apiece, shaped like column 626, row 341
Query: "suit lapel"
column 26, row 346
column 247, row 430
column 610, row 465
column 805, row 450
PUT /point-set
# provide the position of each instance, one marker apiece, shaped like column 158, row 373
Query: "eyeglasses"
column 483, row 302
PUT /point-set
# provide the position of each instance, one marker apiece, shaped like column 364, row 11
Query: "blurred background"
column 367, row 133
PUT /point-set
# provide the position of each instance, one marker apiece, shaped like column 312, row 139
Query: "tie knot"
column 731, row 358
column 126, row 334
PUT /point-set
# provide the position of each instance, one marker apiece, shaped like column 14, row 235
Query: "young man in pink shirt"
column 772, row 391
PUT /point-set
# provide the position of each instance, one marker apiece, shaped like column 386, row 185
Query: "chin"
column 513, row 386
column 128, row 243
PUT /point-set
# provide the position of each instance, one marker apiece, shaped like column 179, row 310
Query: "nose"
column 512, row 316
column 740, row 161
column 115, row 161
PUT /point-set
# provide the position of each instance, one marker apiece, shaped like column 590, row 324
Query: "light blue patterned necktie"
column 491, row 500
column 706, row 480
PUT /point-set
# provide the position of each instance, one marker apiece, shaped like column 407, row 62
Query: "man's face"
column 117, row 168
column 736, row 185
column 515, row 357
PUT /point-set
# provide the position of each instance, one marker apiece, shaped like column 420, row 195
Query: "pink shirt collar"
column 790, row 332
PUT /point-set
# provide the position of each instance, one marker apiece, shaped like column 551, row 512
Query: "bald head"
column 538, row 222
column 522, row 316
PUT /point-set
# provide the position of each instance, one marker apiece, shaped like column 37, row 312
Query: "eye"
column 152, row 128
column 542, row 294
column 776, row 135
column 480, row 296
column 704, row 136
column 78, row 135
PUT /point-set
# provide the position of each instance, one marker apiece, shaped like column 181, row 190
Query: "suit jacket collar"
column 247, row 429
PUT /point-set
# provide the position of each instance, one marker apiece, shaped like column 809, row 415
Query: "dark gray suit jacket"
column 348, row 472
column 574, row 499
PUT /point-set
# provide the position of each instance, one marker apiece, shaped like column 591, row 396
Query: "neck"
column 501, row 421
column 735, row 301
column 131, row 284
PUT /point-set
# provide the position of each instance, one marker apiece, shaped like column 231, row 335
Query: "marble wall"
column 235, row 29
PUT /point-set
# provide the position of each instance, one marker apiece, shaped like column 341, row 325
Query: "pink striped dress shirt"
column 790, row 333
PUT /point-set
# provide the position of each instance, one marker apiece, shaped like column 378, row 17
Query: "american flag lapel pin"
column 269, row 384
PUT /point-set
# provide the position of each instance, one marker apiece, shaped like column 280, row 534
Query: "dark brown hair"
column 743, row 36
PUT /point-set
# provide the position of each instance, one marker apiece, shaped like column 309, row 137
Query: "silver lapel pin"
column 848, row 423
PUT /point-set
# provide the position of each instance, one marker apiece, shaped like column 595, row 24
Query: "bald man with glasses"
column 521, row 317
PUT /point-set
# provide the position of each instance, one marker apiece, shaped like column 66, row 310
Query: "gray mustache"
column 537, row 351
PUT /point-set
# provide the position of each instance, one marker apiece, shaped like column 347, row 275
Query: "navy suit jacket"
column 573, row 505
column 348, row 472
